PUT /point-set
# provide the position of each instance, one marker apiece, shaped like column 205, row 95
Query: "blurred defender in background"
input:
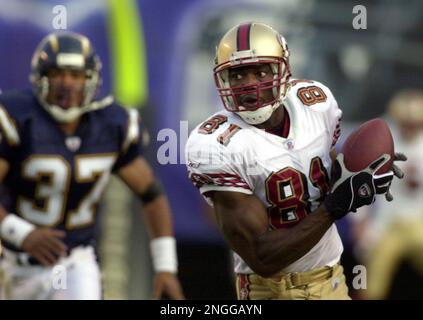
column 391, row 235
column 58, row 149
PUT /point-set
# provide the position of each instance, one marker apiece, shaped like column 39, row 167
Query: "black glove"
column 352, row 190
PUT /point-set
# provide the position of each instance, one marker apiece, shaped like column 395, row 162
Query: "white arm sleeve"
column 213, row 167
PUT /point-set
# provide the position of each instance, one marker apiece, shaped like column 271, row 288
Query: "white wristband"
column 14, row 229
column 163, row 253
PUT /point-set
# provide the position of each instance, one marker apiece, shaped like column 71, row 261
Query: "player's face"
column 246, row 76
column 66, row 87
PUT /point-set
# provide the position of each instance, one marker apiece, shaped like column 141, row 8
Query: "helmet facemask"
column 233, row 96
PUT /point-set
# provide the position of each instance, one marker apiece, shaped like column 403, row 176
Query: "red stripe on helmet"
column 243, row 37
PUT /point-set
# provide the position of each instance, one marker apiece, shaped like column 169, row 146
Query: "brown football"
column 367, row 143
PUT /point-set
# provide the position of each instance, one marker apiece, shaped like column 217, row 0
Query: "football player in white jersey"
column 264, row 165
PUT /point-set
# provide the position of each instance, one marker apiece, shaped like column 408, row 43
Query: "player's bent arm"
column 244, row 222
column 12, row 228
column 138, row 175
column 41, row 243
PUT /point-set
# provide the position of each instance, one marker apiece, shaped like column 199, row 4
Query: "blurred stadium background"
column 158, row 56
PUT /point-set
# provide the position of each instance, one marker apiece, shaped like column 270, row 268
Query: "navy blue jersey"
column 57, row 180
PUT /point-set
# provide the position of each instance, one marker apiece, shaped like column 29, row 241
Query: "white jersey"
column 288, row 173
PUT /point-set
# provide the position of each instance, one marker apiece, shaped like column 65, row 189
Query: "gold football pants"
column 318, row 284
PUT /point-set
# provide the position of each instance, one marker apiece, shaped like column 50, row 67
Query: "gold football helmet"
column 249, row 44
column 406, row 107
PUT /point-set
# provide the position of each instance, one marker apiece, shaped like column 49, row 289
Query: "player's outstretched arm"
column 138, row 175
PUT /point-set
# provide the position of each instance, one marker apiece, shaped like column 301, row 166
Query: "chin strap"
column 71, row 114
column 258, row 116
